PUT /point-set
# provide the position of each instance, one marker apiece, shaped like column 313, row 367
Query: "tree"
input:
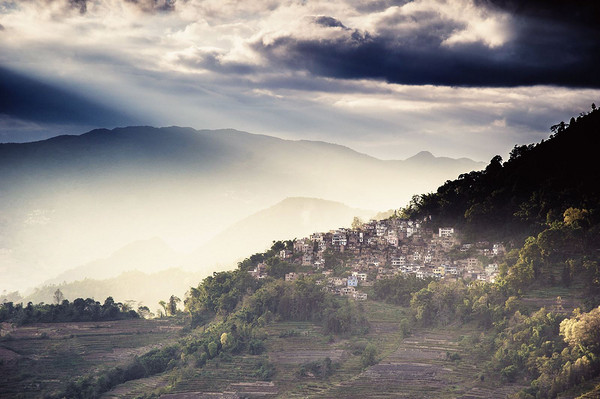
column 163, row 304
column 369, row 355
column 58, row 296
column 173, row 301
column 144, row 312
column 576, row 217
column 213, row 349
column 356, row 223
column 225, row 340
column 583, row 331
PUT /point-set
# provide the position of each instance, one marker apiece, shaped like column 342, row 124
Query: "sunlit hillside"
column 72, row 200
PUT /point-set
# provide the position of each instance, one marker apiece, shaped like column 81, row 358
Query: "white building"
column 446, row 231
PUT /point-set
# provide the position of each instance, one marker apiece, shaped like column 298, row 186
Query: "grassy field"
column 42, row 358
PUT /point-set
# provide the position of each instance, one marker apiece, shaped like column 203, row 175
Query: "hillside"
column 528, row 191
column 286, row 220
column 63, row 196
column 385, row 309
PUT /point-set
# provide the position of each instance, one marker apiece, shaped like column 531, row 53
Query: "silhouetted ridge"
column 534, row 187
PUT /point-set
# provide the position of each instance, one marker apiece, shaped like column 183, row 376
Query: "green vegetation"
column 514, row 199
column 319, row 369
column 78, row 310
column 399, row 290
column 239, row 306
column 300, row 300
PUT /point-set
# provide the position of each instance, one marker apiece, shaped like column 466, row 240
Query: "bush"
column 256, row 347
column 318, row 369
column 289, row 333
column 509, row 373
column 265, row 370
column 369, row 355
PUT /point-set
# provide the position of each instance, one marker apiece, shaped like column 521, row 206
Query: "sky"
column 459, row 78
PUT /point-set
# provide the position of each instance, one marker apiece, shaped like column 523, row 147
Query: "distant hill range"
column 150, row 256
column 143, row 262
column 136, row 286
column 286, row 220
column 70, row 200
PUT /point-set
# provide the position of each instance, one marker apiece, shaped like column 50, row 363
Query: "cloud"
column 27, row 99
column 421, row 44
column 577, row 13
column 390, row 77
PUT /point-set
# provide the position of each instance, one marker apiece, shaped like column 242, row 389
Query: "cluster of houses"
column 386, row 248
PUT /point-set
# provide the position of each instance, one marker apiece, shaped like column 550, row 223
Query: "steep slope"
column 291, row 218
column 533, row 188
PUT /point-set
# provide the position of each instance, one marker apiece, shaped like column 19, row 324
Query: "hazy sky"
column 389, row 78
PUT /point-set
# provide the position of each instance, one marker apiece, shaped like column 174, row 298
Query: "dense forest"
column 529, row 191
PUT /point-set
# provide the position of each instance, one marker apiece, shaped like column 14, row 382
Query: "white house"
column 446, row 232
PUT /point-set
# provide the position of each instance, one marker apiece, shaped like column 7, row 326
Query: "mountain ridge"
column 180, row 184
column 187, row 129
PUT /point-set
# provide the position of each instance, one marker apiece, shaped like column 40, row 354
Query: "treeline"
column 530, row 190
column 78, row 310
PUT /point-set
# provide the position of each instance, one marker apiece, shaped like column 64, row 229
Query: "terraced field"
column 416, row 366
column 43, row 357
column 135, row 388
column 419, row 368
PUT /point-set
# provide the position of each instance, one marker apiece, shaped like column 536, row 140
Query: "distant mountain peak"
column 423, row 155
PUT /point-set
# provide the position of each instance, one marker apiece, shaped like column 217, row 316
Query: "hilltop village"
column 381, row 249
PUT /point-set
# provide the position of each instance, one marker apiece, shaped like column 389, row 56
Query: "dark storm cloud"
column 27, row 99
column 572, row 12
column 544, row 49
